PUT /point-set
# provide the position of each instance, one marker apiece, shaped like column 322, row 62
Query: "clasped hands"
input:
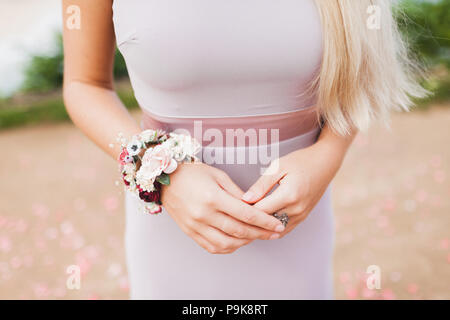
column 210, row 208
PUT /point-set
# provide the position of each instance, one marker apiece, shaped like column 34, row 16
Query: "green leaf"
column 163, row 179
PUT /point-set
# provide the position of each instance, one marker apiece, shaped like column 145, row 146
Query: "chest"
column 172, row 43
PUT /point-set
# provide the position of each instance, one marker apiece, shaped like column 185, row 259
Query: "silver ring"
column 282, row 217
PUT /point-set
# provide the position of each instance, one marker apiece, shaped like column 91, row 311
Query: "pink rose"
column 157, row 160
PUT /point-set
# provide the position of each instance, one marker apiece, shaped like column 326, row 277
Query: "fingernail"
column 279, row 228
column 274, row 236
column 248, row 196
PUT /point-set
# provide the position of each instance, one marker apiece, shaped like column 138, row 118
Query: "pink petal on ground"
column 389, row 204
column 444, row 244
column 25, row 160
column 344, row 277
column 439, row 176
column 421, row 195
column 77, row 241
column 11, row 225
column 92, row 252
column 412, row 288
column 5, row 244
column 60, row 215
column 114, row 270
column 382, row 222
column 123, row 284
column 395, row 276
column 21, row 226
column 111, row 203
column 66, row 227
column 3, row 221
column 387, row 294
column 83, row 263
column 352, row 293
column 51, row 233
column 436, row 161
column 40, row 210
column 93, row 296
column 436, row 200
column 367, row 293
column 59, row 292
column 41, row 290
column 16, row 262
column 40, row 244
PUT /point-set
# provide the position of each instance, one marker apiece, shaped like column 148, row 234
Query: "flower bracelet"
column 148, row 158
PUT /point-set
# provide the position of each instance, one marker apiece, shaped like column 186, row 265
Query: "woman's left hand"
column 302, row 175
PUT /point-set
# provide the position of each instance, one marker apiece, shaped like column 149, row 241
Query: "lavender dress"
column 233, row 64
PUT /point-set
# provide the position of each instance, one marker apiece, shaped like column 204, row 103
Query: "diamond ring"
column 282, row 217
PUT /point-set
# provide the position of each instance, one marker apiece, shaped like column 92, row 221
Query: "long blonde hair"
column 365, row 72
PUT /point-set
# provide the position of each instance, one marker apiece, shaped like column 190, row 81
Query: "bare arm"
column 334, row 145
column 88, row 91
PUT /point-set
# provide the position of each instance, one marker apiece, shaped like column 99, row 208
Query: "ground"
column 59, row 206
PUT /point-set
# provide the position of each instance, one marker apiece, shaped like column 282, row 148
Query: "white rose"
column 148, row 135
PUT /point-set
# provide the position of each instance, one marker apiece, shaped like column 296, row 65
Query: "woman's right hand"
column 206, row 205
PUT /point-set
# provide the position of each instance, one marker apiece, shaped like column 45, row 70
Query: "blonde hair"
column 365, row 72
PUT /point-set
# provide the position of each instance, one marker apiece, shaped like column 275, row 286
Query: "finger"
column 221, row 242
column 263, row 185
column 279, row 199
column 248, row 214
column 202, row 242
column 228, row 185
column 238, row 229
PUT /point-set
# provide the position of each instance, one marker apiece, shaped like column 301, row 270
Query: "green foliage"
column 47, row 111
column 120, row 68
column 45, row 72
column 426, row 25
column 163, row 179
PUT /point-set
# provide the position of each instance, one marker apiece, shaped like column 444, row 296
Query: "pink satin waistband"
column 247, row 130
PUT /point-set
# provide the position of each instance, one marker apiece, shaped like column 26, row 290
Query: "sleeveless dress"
column 232, row 64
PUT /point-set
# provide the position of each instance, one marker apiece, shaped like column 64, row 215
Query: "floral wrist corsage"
column 148, row 158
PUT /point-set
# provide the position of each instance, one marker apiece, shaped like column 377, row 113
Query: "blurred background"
column 391, row 197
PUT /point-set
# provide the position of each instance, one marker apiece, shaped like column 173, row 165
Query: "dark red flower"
column 152, row 196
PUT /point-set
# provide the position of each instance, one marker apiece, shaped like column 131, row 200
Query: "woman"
column 316, row 72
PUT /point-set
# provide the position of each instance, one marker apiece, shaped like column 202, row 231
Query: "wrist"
column 332, row 146
column 329, row 155
column 147, row 160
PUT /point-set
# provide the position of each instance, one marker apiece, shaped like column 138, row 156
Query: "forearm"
column 333, row 145
column 99, row 113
